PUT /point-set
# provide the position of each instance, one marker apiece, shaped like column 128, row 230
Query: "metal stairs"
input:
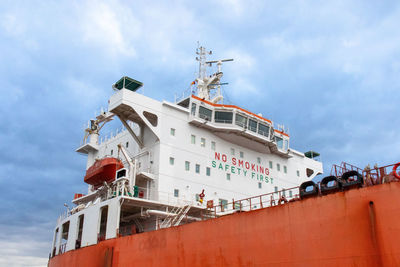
column 176, row 217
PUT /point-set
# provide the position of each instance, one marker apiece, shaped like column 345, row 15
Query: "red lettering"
column 234, row 161
column 240, row 163
column 247, row 165
column 223, row 157
column 266, row 171
column 261, row 170
column 217, row 156
column 253, row 167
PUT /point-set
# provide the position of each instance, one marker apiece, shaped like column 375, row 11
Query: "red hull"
column 102, row 171
column 359, row 227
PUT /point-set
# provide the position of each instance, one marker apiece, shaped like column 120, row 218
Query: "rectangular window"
column 213, row 145
column 241, row 154
column 298, row 173
column 208, row 171
column 103, row 223
column 283, row 192
column 276, row 189
column 290, row 193
column 232, row 151
column 286, row 145
column 278, row 167
column 127, row 144
column 203, row 142
column 197, row 168
column 176, row 192
column 193, row 111
column 263, row 129
column 223, row 203
column 80, row 231
column 205, row 113
column 193, row 139
column 223, row 117
column 284, row 169
column 279, row 142
column 64, row 236
column 241, row 121
column 187, row 165
column 171, row 161
column 172, row 132
column 112, row 152
column 258, row 160
column 259, row 185
column 252, row 125
column 228, row 176
column 270, row 165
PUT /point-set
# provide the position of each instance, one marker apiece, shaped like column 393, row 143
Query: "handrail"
column 256, row 202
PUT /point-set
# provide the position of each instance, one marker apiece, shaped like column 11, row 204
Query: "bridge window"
column 172, row 132
column 252, row 125
column 278, row 167
column 176, row 192
column 228, row 176
column 270, row 164
column 193, row 139
column 205, row 113
column 279, row 142
column 241, row 154
column 171, row 161
column 284, row 169
column 263, row 129
column 213, row 145
column 208, row 171
column 223, row 117
column 258, row 160
column 298, row 173
column 103, row 223
column 259, row 185
column 232, row 151
column 241, row 121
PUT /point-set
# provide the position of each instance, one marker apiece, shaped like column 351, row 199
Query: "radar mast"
column 205, row 84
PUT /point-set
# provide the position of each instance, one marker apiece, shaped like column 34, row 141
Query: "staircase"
column 176, row 217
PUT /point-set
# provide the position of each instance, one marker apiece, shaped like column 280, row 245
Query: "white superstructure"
column 177, row 157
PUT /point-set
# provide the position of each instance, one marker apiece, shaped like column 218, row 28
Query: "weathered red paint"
column 359, row 227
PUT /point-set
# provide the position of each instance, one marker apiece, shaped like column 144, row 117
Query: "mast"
column 207, row 83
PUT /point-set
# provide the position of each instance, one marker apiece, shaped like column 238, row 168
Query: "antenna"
column 207, row 83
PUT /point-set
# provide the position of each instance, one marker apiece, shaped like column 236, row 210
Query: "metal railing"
column 257, row 202
column 344, row 167
column 377, row 174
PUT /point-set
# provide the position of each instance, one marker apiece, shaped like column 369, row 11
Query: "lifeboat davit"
column 102, row 170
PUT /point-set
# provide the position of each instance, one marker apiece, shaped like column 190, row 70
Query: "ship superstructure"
column 173, row 161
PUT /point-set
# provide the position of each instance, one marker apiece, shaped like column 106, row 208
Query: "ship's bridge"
column 237, row 125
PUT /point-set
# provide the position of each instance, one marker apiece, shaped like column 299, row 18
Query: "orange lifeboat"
column 102, row 170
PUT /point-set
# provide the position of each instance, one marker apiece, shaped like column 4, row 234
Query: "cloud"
column 329, row 71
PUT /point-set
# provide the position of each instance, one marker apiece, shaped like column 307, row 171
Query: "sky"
column 327, row 70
